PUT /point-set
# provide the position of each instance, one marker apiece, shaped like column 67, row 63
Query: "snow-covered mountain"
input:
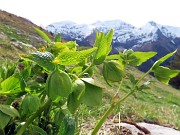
column 70, row 30
column 124, row 32
column 151, row 37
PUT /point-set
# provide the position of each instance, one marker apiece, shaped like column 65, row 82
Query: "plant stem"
column 30, row 120
column 144, row 76
column 104, row 117
column 91, row 65
column 114, row 104
column 73, row 76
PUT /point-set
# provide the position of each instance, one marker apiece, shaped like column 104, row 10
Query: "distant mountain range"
column 15, row 31
column 151, row 37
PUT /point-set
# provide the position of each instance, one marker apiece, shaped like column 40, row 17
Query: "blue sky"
column 135, row 12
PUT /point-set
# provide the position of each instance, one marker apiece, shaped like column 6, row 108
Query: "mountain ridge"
column 162, row 39
column 148, row 29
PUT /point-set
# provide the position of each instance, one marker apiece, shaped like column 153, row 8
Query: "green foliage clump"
column 53, row 82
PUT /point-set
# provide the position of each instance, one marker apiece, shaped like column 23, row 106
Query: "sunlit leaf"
column 137, row 58
column 72, row 45
column 9, row 110
column 43, row 35
column 109, row 38
column 161, row 60
column 113, row 57
column 164, row 74
column 59, row 47
column 112, row 71
column 92, row 95
column 57, row 38
column 71, row 57
column 11, row 84
column 103, row 43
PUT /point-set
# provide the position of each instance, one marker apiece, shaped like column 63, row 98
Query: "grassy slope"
column 159, row 105
column 16, row 34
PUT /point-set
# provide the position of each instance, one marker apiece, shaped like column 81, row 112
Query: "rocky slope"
column 17, row 36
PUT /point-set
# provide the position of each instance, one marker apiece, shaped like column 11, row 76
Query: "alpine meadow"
column 57, row 87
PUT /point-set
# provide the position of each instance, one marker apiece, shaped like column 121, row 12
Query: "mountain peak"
column 123, row 32
column 153, row 23
column 112, row 24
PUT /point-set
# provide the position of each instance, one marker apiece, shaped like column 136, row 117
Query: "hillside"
column 17, row 36
column 159, row 105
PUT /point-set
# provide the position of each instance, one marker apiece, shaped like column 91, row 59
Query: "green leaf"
column 68, row 126
column 42, row 34
column 57, row 38
column 11, row 84
column 71, row 45
column 26, row 72
column 75, row 97
column 164, row 74
column 76, row 69
column 109, row 38
column 132, row 79
column 9, row 110
column 71, row 57
column 92, row 95
column 103, row 43
column 9, row 70
column 38, row 130
column 137, row 58
column 60, row 101
column 88, row 72
column 43, row 59
column 58, row 116
column 4, row 120
column 30, row 104
column 113, row 57
column 73, row 103
column 58, row 84
column 157, row 63
column 23, row 75
column 59, row 47
column 112, row 71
